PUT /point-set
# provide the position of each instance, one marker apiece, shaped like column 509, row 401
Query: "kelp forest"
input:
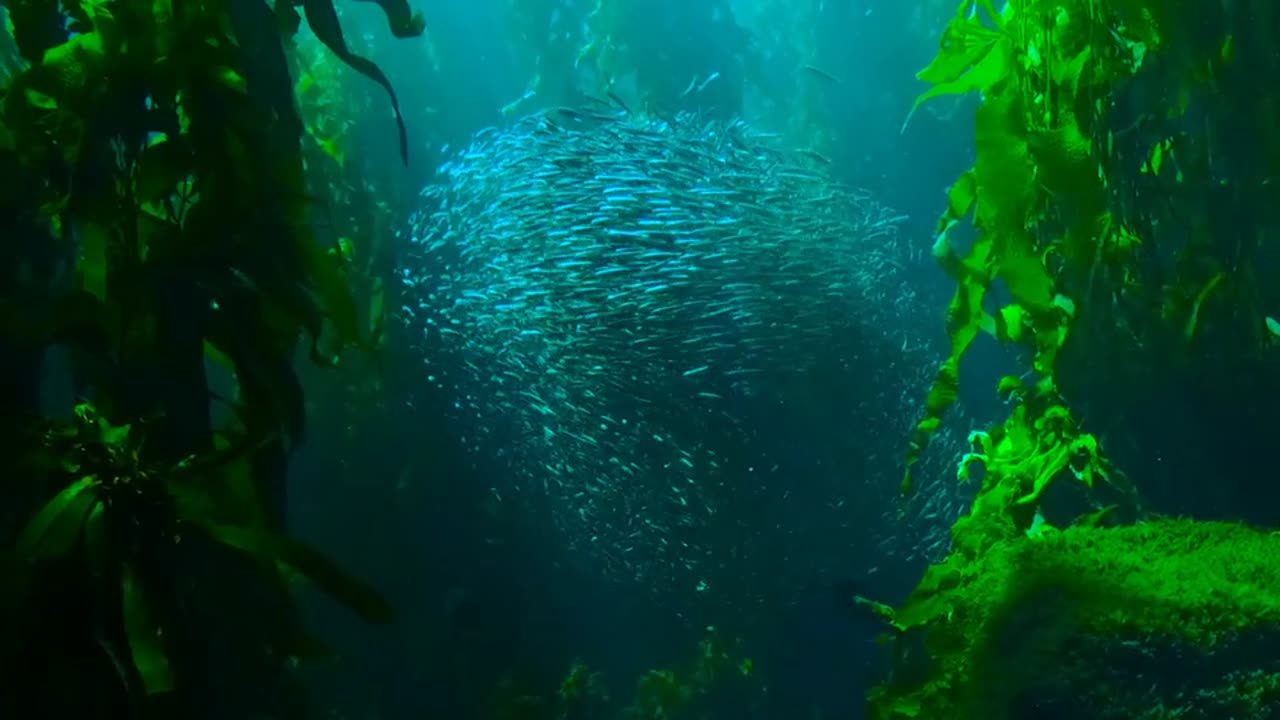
column 201, row 260
column 158, row 235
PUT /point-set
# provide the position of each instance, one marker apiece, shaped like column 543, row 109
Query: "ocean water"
column 666, row 315
column 653, row 305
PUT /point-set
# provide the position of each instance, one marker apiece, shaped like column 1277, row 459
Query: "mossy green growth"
column 1033, row 616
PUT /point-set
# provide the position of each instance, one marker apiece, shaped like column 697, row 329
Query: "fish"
column 852, row 599
column 710, row 78
column 814, row 155
column 614, row 97
column 597, row 289
column 820, row 73
column 514, row 105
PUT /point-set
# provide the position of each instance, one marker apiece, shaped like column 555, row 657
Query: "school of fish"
column 604, row 293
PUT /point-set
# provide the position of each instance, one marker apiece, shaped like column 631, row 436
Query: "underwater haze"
column 667, row 298
column 640, row 359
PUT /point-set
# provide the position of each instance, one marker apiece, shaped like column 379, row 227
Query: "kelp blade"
column 311, row 563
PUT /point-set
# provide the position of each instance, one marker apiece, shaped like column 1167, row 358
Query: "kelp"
column 1031, row 152
column 114, row 498
column 155, row 146
column 1052, row 241
column 683, row 689
column 323, row 20
column 358, row 216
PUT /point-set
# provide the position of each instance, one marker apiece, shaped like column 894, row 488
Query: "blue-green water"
column 667, row 314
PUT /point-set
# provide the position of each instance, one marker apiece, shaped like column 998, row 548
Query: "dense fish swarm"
column 611, row 299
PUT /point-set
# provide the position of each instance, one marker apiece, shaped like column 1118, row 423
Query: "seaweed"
column 1086, row 260
column 686, row 689
column 155, row 198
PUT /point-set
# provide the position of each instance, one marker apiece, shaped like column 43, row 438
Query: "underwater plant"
column 1086, row 257
column 158, row 238
column 682, row 690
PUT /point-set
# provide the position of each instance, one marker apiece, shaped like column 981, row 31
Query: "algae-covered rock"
column 1163, row 619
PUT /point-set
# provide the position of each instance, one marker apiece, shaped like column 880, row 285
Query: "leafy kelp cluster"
column 716, row 668
column 1081, row 253
column 160, row 272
